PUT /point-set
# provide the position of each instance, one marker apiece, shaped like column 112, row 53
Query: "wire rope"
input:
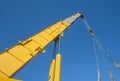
column 95, row 52
column 101, row 48
column 104, row 60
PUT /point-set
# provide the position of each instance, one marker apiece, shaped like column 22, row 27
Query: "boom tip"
column 82, row 16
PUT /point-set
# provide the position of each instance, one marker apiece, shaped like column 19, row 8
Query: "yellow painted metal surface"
column 57, row 68
column 52, row 71
column 13, row 59
column 8, row 79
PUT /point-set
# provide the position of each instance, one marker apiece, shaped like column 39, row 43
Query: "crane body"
column 15, row 58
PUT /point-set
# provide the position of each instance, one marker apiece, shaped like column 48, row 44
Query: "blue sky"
column 18, row 18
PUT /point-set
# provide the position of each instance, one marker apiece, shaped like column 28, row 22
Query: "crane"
column 13, row 59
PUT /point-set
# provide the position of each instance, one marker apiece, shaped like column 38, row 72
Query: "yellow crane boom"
column 14, row 59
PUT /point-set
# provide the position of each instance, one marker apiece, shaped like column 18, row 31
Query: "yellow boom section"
column 8, row 79
column 13, row 59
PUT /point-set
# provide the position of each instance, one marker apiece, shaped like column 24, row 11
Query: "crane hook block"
column 91, row 32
